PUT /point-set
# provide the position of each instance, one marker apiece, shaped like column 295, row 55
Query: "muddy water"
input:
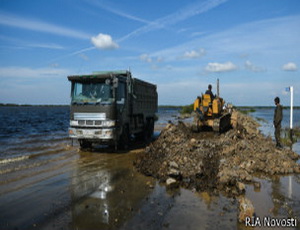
column 45, row 183
column 70, row 188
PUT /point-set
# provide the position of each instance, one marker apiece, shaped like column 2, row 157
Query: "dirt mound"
column 214, row 162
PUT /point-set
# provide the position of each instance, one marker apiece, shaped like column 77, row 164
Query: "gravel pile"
column 215, row 162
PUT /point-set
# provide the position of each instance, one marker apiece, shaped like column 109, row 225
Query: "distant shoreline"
column 238, row 107
column 160, row 106
column 28, row 105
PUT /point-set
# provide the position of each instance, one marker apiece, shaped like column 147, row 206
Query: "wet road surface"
column 66, row 188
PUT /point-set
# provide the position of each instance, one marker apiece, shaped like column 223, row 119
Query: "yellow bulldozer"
column 211, row 113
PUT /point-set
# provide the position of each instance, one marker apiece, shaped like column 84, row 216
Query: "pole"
column 291, row 113
column 218, row 89
column 290, row 189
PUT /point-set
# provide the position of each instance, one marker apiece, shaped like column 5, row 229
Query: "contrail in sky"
column 171, row 19
column 40, row 26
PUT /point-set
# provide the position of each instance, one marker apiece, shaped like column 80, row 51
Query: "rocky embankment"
column 215, row 162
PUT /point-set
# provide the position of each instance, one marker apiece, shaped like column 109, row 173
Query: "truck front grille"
column 98, row 122
column 81, row 122
column 92, row 123
column 88, row 123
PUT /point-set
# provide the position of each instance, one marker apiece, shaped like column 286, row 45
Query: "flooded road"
column 70, row 189
column 98, row 190
column 46, row 183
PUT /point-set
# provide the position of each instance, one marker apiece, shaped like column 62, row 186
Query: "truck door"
column 121, row 101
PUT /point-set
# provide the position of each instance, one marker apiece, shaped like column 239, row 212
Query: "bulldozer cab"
column 207, row 104
column 206, row 100
column 204, row 105
column 209, row 113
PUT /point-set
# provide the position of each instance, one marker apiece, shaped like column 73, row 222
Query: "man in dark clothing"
column 210, row 92
column 277, row 121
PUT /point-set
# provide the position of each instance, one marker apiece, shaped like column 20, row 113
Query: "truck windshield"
column 91, row 93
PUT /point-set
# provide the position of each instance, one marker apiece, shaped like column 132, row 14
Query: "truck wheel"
column 125, row 138
column 140, row 136
column 149, row 129
column 84, row 144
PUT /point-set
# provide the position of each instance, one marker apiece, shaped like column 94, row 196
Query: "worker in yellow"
column 277, row 121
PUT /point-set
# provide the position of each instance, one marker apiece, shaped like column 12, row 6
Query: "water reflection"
column 290, row 190
column 277, row 197
column 106, row 190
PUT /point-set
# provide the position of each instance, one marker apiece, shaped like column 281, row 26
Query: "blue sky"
column 252, row 46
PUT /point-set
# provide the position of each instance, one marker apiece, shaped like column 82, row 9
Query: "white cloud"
column 193, row 54
column 104, row 41
column 220, row 67
column 291, row 66
column 277, row 37
column 54, row 65
column 25, row 72
column 159, row 59
column 253, row 68
column 146, row 58
column 40, row 26
column 195, row 34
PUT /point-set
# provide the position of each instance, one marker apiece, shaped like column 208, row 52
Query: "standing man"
column 277, row 121
column 208, row 91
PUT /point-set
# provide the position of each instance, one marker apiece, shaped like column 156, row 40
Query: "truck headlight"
column 71, row 132
column 108, row 123
column 108, row 133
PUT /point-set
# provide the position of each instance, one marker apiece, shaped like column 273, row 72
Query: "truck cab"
column 106, row 109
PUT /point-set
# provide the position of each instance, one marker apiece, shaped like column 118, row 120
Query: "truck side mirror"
column 115, row 82
column 107, row 82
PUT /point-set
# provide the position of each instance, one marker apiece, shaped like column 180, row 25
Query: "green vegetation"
column 261, row 119
column 296, row 132
column 183, row 109
column 170, row 106
column 187, row 109
column 286, row 136
column 27, row 105
column 246, row 111
column 262, row 107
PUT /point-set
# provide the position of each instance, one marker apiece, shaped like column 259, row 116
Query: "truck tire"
column 124, row 138
column 84, row 144
column 147, row 133
column 150, row 129
column 140, row 136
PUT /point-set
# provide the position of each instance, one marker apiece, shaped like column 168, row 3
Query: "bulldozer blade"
column 222, row 123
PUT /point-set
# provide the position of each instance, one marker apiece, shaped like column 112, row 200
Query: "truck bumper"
column 105, row 134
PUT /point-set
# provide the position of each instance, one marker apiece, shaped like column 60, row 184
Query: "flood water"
column 46, row 183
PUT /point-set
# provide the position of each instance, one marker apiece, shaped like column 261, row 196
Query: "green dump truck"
column 110, row 108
